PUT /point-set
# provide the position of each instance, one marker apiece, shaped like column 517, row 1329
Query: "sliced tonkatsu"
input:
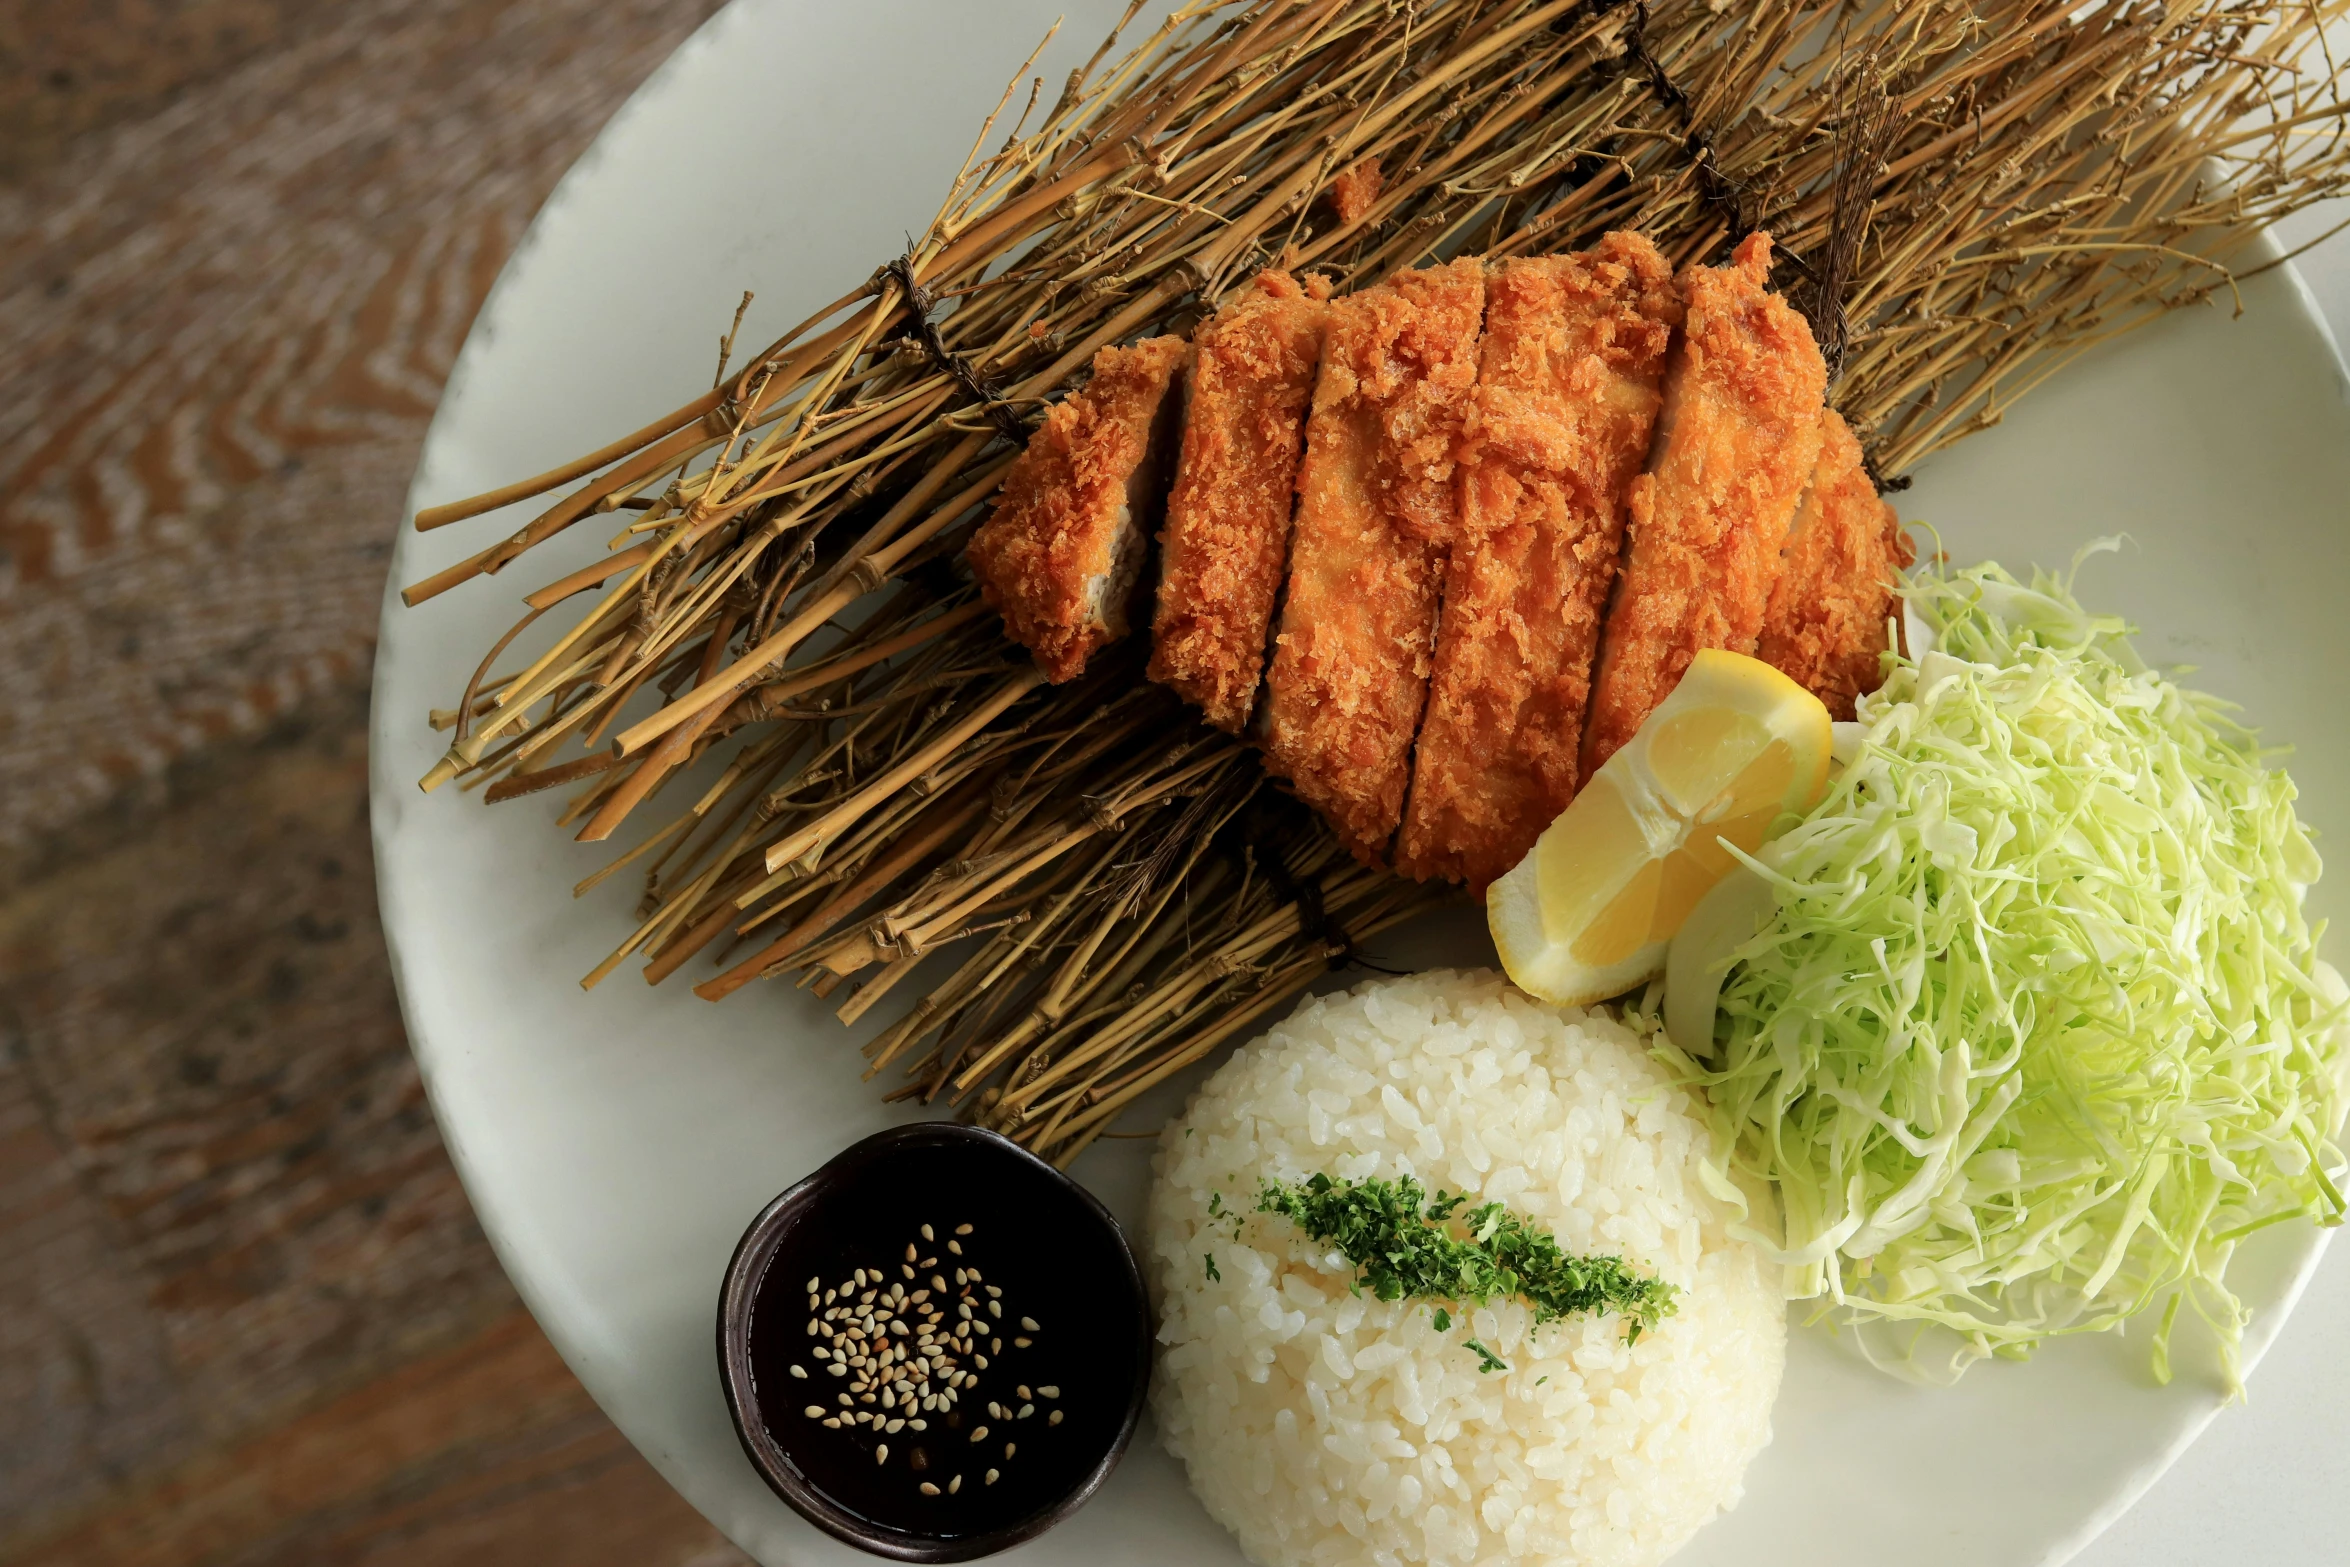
column 1827, row 624
column 1377, row 509
column 1226, row 542
column 1060, row 556
column 1440, row 546
column 1734, row 450
column 1568, row 388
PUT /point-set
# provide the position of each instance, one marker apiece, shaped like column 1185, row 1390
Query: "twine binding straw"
column 1964, row 198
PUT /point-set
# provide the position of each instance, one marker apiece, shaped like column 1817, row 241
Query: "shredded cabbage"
column 2036, row 1033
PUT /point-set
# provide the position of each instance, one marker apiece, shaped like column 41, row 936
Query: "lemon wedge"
column 1589, row 912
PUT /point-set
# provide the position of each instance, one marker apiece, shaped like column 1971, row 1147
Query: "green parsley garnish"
column 1210, row 1259
column 1402, row 1246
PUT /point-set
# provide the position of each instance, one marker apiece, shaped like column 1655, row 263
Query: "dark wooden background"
column 246, row 1316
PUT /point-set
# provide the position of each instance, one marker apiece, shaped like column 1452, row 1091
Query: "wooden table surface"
column 245, row 1313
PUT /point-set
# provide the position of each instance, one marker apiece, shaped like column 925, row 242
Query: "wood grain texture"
column 227, row 322
column 246, row 1316
column 231, row 1247
column 485, row 1453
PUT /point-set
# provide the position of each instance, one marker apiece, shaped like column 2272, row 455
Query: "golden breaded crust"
column 1735, row 447
column 1226, row 541
column 1567, row 394
column 1826, row 627
column 1375, row 518
column 1067, row 526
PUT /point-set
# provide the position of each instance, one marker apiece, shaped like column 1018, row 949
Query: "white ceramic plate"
column 615, row 1144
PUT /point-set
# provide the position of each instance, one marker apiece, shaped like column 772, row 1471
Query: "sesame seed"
column 962, row 1229
column 992, row 1290
column 907, row 1269
column 954, row 1485
column 1049, row 1391
column 1053, row 1419
column 1010, row 1448
column 996, row 1409
column 919, row 1425
column 937, row 1284
column 996, row 1346
column 975, row 1276
column 1026, row 1410
column 837, row 1369
column 956, row 1247
column 961, row 1276
column 881, row 1454
column 980, row 1361
column 811, row 1330
column 1020, row 1343
column 814, row 1411
column 928, row 1489
column 926, row 1235
column 845, row 1399
column 910, row 1251
column 1029, row 1323
column 991, row 1476
column 893, row 1427
column 859, row 1277
column 979, row 1435
column 814, row 1283
column 995, row 1308
column 829, row 1297
column 832, row 1425
column 801, row 1372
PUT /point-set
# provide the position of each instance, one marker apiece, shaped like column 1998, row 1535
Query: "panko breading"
column 1567, row 396
column 1734, row 450
column 1226, row 541
column 1060, row 555
column 1376, row 514
column 1826, row 625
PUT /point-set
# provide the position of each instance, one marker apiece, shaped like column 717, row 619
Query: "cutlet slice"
column 1375, row 518
column 1567, row 394
column 1826, row 625
column 1227, row 534
column 1734, row 449
column 1060, row 555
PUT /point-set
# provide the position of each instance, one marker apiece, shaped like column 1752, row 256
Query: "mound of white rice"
column 1327, row 1427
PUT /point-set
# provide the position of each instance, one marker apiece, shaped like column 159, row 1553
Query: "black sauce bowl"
column 1044, row 1240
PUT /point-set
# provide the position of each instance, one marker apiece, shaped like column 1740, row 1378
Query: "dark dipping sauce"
column 1023, row 1229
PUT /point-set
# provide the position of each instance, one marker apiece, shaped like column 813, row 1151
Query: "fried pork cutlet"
column 1734, row 450
column 1227, row 534
column 1826, row 625
column 1567, row 396
column 1375, row 519
column 1060, row 555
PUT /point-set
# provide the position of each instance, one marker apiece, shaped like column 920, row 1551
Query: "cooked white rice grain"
column 1327, row 1427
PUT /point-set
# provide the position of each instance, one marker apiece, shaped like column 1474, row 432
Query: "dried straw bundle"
column 1964, row 196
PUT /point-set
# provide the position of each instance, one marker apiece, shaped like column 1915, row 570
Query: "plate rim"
column 434, row 1056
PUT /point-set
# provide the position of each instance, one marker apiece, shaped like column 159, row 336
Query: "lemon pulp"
column 1588, row 912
